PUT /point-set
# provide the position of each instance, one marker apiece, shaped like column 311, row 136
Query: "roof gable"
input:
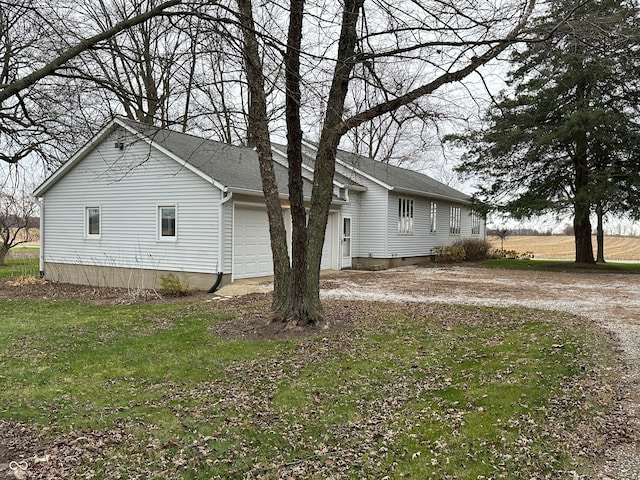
column 237, row 168
column 225, row 166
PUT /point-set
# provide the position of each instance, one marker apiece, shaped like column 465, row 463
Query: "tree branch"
column 17, row 86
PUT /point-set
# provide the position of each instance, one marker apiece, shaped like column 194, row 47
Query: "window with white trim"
column 167, row 222
column 405, row 215
column 454, row 220
column 433, row 219
column 475, row 223
column 92, row 221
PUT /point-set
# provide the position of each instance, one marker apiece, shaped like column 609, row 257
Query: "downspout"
column 227, row 196
column 40, row 201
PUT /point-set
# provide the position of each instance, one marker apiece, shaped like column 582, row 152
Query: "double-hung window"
column 433, row 219
column 454, row 220
column 405, row 215
column 92, row 222
column 475, row 223
column 167, row 222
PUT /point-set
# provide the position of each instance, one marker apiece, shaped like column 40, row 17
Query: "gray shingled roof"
column 238, row 168
column 310, row 160
column 234, row 167
column 397, row 178
column 401, row 179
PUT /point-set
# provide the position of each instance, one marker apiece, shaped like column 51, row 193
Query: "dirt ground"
column 611, row 300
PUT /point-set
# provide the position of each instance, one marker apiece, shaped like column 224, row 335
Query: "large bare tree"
column 38, row 41
column 437, row 42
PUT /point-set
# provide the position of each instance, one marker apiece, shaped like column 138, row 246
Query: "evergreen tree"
column 568, row 136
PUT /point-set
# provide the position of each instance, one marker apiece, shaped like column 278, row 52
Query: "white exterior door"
column 327, row 262
column 251, row 244
column 346, row 242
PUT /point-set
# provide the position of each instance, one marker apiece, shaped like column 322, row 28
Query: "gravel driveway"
column 611, row 300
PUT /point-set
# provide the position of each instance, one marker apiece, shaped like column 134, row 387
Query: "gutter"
column 429, row 195
column 227, row 196
column 40, row 201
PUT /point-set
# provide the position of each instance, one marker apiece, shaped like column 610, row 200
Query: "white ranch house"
column 138, row 202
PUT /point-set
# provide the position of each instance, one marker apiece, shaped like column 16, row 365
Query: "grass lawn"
column 429, row 392
column 561, row 266
column 21, row 266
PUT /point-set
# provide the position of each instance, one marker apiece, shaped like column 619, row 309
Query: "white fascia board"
column 79, row 155
column 420, row 193
column 281, row 196
column 171, row 155
column 355, row 169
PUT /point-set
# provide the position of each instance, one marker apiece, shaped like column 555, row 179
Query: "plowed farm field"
column 562, row 247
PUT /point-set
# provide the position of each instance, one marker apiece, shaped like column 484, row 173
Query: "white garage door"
column 251, row 245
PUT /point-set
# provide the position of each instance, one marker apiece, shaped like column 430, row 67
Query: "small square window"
column 92, row 221
column 167, row 222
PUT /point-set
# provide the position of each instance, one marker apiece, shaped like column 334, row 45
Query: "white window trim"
column 455, row 219
column 406, row 223
column 86, row 221
column 344, row 237
column 159, row 235
column 433, row 217
column 476, row 223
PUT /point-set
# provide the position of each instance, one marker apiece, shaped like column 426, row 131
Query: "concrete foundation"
column 116, row 277
column 369, row 263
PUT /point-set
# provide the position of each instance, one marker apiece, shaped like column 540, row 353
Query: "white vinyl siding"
column 227, row 240
column 129, row 185
column 403, row 245
column 370, row 220
column 352, row 210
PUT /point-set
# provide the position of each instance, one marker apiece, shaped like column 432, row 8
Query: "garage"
column 252, row 248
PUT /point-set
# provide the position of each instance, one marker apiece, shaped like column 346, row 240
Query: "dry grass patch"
column 563, row 247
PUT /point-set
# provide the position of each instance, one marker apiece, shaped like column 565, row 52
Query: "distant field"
column 562, row 247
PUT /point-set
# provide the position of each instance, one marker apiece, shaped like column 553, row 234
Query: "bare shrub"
column 451, row 254
column 474, row 248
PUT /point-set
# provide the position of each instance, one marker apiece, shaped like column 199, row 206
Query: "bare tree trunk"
column 259, row 125
column 298, row 311
column 600, row 233
column 326, row 154
column 582, row 206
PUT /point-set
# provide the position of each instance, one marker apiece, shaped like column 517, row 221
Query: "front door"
column 346, row 242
